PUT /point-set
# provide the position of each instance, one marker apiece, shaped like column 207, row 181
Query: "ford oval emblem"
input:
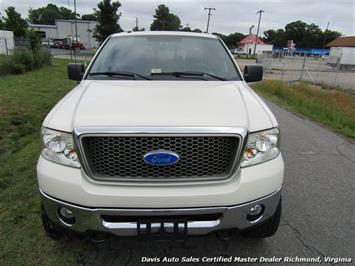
column 161, row 158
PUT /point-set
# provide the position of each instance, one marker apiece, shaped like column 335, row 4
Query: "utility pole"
column 323, row 44
column 76, row 29
column 209, row 15
column 325, row 37
column 137, row 23
column 257, row 31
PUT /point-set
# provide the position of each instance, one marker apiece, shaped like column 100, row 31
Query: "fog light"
column 255, row 212
column 66, row 213
column 66, row 216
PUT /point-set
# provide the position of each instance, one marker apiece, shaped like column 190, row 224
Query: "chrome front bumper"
column 93, row 219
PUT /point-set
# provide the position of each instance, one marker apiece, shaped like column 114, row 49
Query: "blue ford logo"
column 161, row 158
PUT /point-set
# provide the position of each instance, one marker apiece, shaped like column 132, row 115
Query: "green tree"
column 1, row 24
column 34, row 39
column 14, row 22
column 330, row 35
column 107, row 19
column 232, row 39
column 90, row 17
column 222, row 36
column 186, row 29
column 164, row 20
column 48, row 14
column 135, row 28
column 303, row 35
column 276, row 38
column 197, row 30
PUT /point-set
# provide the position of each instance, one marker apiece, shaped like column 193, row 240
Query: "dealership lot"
column 318, row 213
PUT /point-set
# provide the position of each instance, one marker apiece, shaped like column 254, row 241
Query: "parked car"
column 58, row 44
column 239, row 51
column 162, row 136
column 77, row 45
column 47, row 43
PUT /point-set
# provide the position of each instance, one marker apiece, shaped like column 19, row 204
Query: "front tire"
column 267, row 228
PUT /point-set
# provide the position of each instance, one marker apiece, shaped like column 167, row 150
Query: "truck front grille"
column 121, row 157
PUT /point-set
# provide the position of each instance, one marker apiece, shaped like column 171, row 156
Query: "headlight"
column 59, row 147
column 261, row 147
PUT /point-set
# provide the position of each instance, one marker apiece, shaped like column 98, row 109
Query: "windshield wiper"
column 189, row 73
column 119, row 73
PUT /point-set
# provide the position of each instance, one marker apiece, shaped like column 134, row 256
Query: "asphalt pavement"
column 318, row 216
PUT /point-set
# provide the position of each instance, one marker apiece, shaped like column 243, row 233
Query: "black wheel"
column 267, row 228
column 52, row 230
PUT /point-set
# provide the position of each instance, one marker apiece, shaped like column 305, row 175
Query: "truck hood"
column 102, row 103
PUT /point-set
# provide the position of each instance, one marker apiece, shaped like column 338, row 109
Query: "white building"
column 66, row 29
column 342, row 51
column 247, row 45
column 6, row 41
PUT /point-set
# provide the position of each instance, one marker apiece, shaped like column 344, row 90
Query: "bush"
column 42, row 57
column 24, row 60
column 46, row 57
column 24, row 57
column 34, row 40
column 6, row 65
column 18, row 69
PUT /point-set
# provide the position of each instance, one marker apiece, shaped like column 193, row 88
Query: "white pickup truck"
column 162, row 136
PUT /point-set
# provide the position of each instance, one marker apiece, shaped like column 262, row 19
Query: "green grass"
column 24, row 102
column 332, row 108
column 90, row 52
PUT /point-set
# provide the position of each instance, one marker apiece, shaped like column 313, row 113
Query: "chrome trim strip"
column 90, row 218
column 160, row 130
column 80, row 132
column 134, row 225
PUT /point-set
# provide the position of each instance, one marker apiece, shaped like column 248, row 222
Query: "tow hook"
column 224, row 235
column 99, row 237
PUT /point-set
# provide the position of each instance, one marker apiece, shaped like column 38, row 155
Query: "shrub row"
column 24, row 60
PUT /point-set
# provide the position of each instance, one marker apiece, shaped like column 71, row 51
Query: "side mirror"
column 76, row 71
column 253, row 73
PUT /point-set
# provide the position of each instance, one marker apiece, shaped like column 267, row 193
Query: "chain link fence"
column 318, row 70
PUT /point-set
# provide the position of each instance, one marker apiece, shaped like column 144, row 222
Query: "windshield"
column 163, row 57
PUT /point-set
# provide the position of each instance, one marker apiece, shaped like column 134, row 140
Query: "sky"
column 230, row 15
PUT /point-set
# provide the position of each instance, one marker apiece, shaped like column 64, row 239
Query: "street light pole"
column 250, row 29
column 257, row 32
column 209, row 15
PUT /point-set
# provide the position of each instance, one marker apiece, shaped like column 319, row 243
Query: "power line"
column 209, row 15
column 257, row 32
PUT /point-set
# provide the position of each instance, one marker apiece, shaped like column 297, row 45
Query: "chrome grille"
column 121, row 157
